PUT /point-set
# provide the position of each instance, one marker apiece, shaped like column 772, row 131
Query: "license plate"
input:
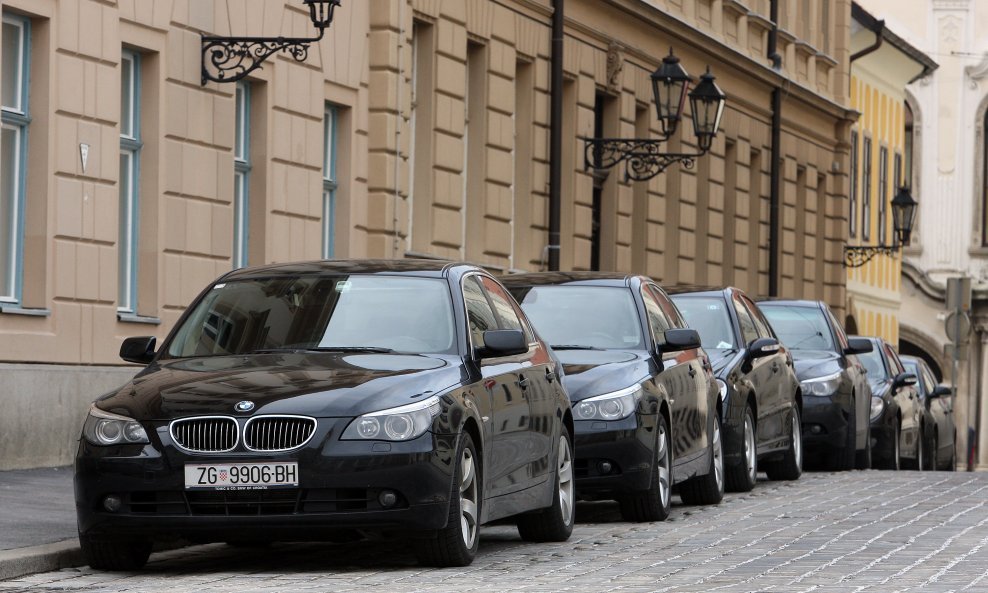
column 241, row 476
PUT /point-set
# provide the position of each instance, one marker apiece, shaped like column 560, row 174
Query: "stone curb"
column 23, row 561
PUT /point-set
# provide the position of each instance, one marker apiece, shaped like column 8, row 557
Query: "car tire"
column 741, row 477
column 864, row 459
column 456, row 544
column 917, row 463
column 555, row 523
column 708, row 488
column 115, row 555
column 790, row 467
column 655, row 503
column 845, row 456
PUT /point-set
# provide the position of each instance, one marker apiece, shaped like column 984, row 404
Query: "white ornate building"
column 949, row 110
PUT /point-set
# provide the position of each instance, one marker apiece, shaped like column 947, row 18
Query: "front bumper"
column 825, row 422
column 614, row 458
column 340, row 483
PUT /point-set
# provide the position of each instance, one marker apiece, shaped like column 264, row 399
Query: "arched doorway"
column 913, row 343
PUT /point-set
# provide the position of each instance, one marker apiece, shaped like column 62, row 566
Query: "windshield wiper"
column 573, row 347
column 367, row 349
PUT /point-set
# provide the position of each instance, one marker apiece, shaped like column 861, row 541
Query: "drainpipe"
column 775, row 196
column 876, row 26
column 556, row 136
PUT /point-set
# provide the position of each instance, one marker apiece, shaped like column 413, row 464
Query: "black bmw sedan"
column 290, row 402
column 645, row 401
column 762, row 401
column 836, row 395
column 938, row 401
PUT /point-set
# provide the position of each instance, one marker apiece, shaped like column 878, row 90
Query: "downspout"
column 556, row 136
column 775, row 167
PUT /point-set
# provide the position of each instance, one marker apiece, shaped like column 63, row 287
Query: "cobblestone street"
column 856, row 531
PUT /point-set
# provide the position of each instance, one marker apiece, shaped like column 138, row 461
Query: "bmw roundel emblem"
column 244, row 406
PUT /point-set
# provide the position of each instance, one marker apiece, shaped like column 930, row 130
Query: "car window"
column 799, row 327
column 503, row 305
column 709, row 317
column 761, row 324
column 479, row 312
column 583, row 315
column 748, row 331
column 874, row 363
column 657, row 320
column 894, row 361
column 928, row 381
column 838, row 330
column 668, row 307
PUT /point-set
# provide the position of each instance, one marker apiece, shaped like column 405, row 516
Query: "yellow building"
column 882, row 64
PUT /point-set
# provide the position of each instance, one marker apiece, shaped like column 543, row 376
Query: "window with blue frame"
column 14, row 119
column 130, row 174
column 329, row 184
column 241, row 175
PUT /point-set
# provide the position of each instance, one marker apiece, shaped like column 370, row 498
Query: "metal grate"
column 206, row 434
column 278, row 433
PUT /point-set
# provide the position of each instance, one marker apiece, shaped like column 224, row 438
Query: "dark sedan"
column 939, row 403
column 644, row 396
column 761, row 411
column 836, row 395
column 898, row 423
column 294, row 401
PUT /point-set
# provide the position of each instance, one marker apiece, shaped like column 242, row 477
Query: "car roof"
column 875, row 339
column 784, row 301
column 697, row 289
column 554, row 278
column 420, row 267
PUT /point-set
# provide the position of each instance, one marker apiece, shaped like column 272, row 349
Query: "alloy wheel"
column 566, row 485
column 896, row 461
column 797, row 440
column 718, row 457
column 468, row 498
column 749, row 447
column 920, row 453
column 663, row 454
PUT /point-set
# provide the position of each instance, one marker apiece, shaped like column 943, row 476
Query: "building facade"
column 948, row 111
column 882, row 65
column 416, row 128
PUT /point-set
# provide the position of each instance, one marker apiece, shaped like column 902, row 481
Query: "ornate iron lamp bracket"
column 856, row 256
column 229, row 59
column 644, row 158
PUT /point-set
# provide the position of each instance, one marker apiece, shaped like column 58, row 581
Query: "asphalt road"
column 855, row 531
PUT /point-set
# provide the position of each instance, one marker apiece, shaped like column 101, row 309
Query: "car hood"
column 310, row 384
column 596, row 372
column 811, row 364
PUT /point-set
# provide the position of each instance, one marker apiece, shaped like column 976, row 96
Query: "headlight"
column 610, row 406
column 104, row 428
column 821, row 386
column 722, row 387
column 877, row 407
column 396, row 424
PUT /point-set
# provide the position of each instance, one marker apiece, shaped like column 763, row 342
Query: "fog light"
column 816, row 429
column 604, row 467
column 112, row 503
column 388, row 499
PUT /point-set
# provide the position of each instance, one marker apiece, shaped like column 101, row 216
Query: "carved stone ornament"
column 615, row 64
column 978, row 71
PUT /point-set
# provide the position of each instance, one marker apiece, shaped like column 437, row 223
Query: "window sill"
column 11, row 309
column 131, row 318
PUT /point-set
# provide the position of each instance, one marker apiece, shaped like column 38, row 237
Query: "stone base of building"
column 42, row 408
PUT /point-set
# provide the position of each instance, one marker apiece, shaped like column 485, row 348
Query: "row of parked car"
column 423, row 399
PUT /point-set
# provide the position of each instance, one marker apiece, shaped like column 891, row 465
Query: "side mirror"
column 139, row 350
column 680, row 339
column 503, row 342
column 941, row 391
column 858, row 346
column 763, row 347
column 903, row 380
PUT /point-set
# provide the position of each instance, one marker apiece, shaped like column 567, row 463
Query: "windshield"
column 709, row 317
column 874, row 364
column 592, row 316
column 315, row 312
column 799, row 328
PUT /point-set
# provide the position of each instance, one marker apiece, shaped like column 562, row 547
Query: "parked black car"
column 898, row 423
column 758, row 385
column 836, row 395
column 644, row 397
column 939, row 402
column 293, row 401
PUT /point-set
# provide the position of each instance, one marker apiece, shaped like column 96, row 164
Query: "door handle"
column 775, row 367
column 550, row 376
column 692, row 371
column 522, row 382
